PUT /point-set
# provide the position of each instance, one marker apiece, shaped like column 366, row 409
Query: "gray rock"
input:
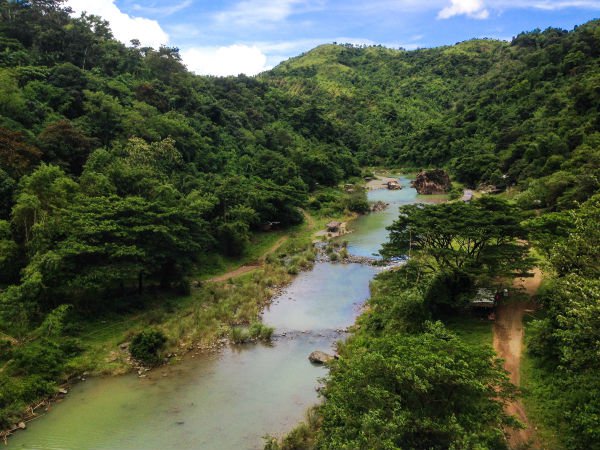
column 319, row 357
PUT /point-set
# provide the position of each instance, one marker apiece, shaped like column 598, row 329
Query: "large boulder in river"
column 319, row 357
column 430, row 182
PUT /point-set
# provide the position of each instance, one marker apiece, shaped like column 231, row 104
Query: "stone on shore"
column 319, row 357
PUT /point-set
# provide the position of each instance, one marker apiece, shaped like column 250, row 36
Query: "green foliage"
column 565, row 342
column 257, row 331
column 402, row 381
column 357, row 202
column 191, row 166
column 146, row 346
column 481, row 236
column 427, row 390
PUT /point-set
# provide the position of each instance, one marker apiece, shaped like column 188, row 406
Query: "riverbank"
column 319, row 296
column 199, row 321
column 198, row 325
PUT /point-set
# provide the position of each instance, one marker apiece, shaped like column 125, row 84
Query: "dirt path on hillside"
column 508, row 343
column 246, row 268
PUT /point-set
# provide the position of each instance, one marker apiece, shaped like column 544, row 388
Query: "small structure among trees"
column 484, row 298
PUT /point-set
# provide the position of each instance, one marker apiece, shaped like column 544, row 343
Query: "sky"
column 229, row 37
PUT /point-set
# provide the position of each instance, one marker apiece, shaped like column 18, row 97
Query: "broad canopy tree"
column 484, row 236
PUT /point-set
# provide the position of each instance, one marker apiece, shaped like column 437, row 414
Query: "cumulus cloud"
column 472, row 8
column 222, row 61
column 124, row 27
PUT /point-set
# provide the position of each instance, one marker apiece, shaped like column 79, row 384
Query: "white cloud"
column 472, row 8
column 222, row 61
column 262, row 12
column 163, row 10
column 124, row 26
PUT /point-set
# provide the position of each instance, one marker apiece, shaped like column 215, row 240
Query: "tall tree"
column 482, row 236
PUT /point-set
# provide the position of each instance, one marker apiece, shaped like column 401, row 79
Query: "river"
column 231, row 399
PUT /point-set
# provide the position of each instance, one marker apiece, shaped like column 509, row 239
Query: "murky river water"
column 228, row 400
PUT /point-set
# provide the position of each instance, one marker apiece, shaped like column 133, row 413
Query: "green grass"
column 215, row 264
column 473, row 330
column 535, row 382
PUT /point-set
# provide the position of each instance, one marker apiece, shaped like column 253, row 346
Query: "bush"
column 314, row 204
column 146, row 346
column 256, row 331
column 358, row 203
column 238, row 335
column 5, row 350
column 446, row 292
column 44, row 357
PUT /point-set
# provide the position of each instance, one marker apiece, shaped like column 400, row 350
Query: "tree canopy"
column 481, row 236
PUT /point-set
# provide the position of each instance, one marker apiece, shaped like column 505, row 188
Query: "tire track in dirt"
column 508, row 343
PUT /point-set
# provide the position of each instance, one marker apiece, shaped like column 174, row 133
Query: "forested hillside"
column 523, row 113
column 120, row 169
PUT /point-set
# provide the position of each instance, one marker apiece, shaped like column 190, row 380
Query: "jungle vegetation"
column 121, row 173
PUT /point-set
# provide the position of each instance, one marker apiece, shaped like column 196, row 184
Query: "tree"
column 16, row 155
column 65, row 145
column 423, row 391
column 482, row 236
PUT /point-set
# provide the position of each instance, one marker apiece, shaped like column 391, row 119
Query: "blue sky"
column 227, row 37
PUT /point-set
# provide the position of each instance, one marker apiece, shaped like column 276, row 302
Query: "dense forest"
column 121, row 171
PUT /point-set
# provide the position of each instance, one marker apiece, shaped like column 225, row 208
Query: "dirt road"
column 246, row 268
column 508, row 343
column 250, row 266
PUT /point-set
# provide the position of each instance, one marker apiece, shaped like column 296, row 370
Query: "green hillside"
column 123, row 174
column 522, row 113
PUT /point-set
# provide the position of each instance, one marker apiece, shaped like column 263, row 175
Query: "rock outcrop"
column 379, row 206
column 429, row 182
column 319, row 357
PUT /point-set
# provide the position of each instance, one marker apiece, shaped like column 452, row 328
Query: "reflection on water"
column 231, row 399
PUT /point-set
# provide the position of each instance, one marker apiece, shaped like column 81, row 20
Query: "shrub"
column 238, row 335
column 314, row 204
column 5, row 350
column 260, row 331
column 358, row 203
column 256, row 331
column 44, row 357
column 146, row 346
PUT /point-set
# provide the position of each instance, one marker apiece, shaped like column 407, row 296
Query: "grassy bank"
column 536, row 388
column 208, row 313
column 207, row 316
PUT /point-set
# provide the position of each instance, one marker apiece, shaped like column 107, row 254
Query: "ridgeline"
column 123, row 175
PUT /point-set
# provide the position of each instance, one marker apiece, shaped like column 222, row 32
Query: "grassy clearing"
column 536, row 385
column 261, row 242
column 198, row 319
column 472, row 330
